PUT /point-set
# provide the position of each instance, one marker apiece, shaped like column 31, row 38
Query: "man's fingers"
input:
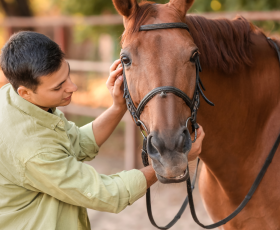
column 200, row 134
column 119, row 66
column 200, row 131
column 112, row 78
column 114, row 65
column 118, row 84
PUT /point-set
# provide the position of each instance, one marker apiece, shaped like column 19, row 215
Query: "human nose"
column 71, row 87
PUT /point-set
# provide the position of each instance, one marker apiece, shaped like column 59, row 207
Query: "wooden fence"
column 117, row 20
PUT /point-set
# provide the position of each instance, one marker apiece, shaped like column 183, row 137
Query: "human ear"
column 24, row 92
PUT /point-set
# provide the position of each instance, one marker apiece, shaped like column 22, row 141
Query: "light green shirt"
column 44, row 184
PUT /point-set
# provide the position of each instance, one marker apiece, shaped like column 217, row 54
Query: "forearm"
column 82, row 185
column 104, row 125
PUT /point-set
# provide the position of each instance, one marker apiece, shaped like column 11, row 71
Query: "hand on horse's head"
column 115, row 85
column 197, row 145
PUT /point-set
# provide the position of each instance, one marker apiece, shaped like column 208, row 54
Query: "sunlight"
column 216, row 5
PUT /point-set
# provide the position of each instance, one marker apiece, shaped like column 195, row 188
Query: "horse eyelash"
column 195, row 53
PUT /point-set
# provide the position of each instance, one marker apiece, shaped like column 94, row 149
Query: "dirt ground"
column 166, row 201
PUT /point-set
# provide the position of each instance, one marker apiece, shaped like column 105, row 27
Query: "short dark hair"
column 27, row 56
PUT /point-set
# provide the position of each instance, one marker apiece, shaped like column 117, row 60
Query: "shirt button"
column 61, row 123
column 89, row 194
column 52, row 126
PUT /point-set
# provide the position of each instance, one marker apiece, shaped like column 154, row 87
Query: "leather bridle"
column 193, row 104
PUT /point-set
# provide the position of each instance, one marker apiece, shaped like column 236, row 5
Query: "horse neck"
column 243, row 125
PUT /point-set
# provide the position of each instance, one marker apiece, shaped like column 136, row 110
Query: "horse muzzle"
column 168, row 151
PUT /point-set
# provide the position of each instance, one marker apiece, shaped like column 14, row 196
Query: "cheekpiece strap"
column 129, row 103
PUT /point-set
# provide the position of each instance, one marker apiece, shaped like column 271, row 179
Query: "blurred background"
column 89, row 32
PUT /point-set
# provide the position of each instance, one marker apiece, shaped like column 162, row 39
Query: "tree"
column 16, row 8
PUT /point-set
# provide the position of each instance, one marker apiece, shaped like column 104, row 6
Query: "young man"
column 44, row 183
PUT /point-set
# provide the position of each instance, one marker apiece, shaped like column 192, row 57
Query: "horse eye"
column 194, row 56
column 126, row 60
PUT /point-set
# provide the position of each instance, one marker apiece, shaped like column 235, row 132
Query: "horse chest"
column 262, row 212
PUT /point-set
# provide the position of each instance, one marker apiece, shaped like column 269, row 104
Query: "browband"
column 164, row 26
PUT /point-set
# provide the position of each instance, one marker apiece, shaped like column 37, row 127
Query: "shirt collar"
column 48, row 120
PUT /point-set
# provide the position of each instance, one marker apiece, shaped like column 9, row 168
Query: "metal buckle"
column 143, row 127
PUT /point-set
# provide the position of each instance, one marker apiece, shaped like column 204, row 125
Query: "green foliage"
column 237, row 5
column 242, row 5
column 95, row 7
column 268, row 26
column 85, row 7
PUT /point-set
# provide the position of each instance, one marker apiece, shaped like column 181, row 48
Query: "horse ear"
column 125, row 7
column 182, row 5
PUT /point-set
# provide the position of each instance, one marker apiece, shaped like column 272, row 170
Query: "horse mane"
column 224, row 45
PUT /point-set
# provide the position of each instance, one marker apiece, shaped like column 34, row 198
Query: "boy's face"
column 54, row 90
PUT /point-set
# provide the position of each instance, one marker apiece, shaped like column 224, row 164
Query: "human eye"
column 56, row 89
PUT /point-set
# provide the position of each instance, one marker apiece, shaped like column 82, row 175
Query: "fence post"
column 9, row 32
column 131, row 145
column 59, row 37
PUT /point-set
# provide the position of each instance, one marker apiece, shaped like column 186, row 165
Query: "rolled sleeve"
column 87, row 141
column 82, row 140
column 74, row 182
column 135, row 183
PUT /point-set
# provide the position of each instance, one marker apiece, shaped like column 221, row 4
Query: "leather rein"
column 193, row 104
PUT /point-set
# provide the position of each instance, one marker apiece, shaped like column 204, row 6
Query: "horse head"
column 162, row 57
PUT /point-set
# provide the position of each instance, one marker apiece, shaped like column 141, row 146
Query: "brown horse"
column 241, row 73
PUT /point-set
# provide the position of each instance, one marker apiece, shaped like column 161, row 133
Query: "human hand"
column 150, row 175
column 115, row 85
column 197, row 145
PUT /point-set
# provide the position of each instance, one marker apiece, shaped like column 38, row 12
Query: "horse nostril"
column 187, row 142
column 181, row 143
column 152, row 146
